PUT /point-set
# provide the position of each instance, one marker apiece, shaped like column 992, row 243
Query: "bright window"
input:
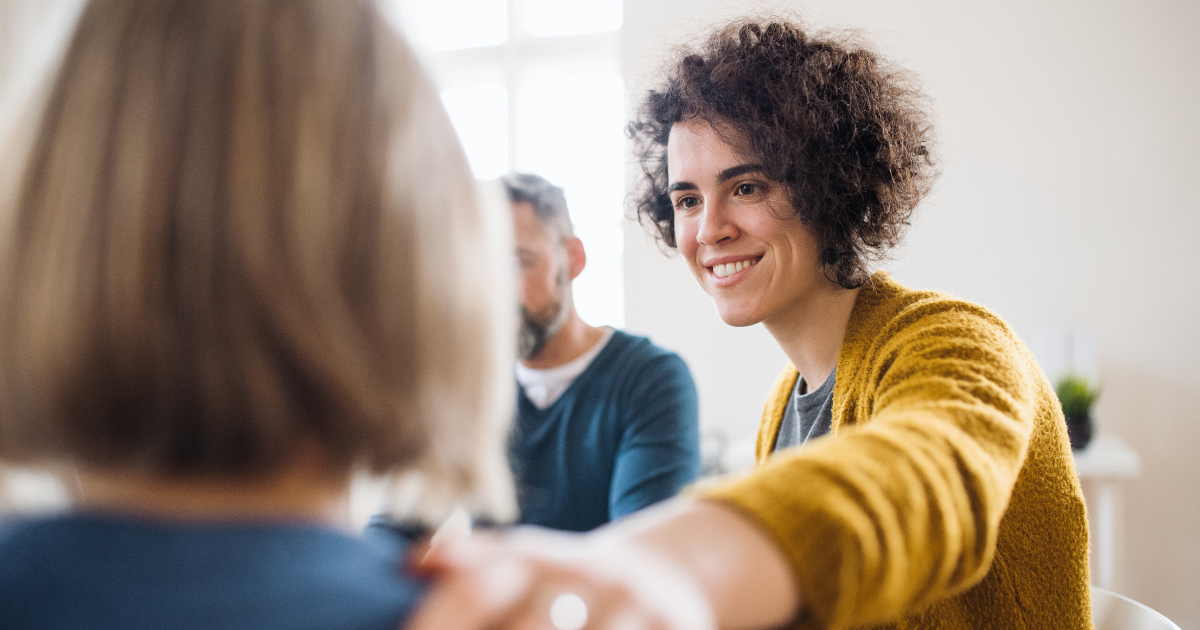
column 454, row 24
column 535, row 86
column 557, row 18
column 480, row 115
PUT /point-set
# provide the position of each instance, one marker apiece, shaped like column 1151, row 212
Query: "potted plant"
column 1076, row 396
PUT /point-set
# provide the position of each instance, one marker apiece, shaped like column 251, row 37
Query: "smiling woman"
column 735, row 228
column 855, row 164
column 914, row 469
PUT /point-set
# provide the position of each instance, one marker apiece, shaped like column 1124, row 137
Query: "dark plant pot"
column 1079, row 430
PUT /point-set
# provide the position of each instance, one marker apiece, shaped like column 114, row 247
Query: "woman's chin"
column 737, row 317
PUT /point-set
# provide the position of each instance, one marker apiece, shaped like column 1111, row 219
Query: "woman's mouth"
column 729, row 269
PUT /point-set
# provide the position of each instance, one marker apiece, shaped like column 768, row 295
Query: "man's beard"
column 538, row 328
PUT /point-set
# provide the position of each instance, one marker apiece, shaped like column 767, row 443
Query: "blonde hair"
column 242, row 225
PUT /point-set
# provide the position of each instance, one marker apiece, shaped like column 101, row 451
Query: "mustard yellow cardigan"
column 945, row 496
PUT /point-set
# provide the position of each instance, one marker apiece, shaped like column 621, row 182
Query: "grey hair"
column 549, row 204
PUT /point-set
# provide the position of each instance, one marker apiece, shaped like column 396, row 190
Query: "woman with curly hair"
column 914, row 470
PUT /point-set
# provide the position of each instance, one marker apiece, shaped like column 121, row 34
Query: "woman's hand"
column 512, row 581
column 686, row 565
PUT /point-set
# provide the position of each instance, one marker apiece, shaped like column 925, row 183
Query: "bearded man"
column 606, row 422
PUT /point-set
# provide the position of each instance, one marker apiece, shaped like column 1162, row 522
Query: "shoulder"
column 633, row 374
column 636, row 358
column 905, row 341
column 13, row 543
column 260, row 572
column 36, row 562
column 28, row 546
column 639, row 349
column 890, row 313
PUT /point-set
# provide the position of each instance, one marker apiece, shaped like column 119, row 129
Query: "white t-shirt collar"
column 545, row 387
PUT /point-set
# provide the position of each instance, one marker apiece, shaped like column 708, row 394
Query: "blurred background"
column 1070, row 152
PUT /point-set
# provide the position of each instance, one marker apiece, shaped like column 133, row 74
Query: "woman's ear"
column 576, row 256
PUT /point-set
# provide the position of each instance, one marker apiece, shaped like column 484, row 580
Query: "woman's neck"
column 301, row 492
column 811, row 332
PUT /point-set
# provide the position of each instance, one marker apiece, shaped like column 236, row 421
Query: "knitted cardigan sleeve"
column 901, row 507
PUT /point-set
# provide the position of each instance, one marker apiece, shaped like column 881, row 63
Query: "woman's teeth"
column 729, row 269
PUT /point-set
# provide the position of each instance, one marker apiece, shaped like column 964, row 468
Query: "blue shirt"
column 97, row 572
column 624, row 435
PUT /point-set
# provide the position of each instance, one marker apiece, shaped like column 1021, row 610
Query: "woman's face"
column 737, row 229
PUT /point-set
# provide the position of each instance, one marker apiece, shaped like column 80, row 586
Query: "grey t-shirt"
column 808, row 415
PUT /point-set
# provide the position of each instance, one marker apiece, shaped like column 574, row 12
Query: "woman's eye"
column 747, row 189
column 687, row 202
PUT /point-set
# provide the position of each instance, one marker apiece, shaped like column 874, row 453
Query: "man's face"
column 544, row 278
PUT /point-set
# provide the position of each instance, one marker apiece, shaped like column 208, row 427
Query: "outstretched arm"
column 890, row 516
column 682, row 565
column 868, row 525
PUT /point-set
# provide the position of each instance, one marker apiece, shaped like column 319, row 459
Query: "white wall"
column 1070, row 151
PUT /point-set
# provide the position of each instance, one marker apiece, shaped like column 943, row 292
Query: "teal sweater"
column 622, row 436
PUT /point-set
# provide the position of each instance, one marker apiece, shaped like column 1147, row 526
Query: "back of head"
column 243, row 226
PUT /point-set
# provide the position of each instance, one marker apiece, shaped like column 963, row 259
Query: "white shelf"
column 1107, row 458
column 1104, row 465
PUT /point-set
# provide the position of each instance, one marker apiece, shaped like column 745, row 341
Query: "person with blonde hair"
column 243, row 258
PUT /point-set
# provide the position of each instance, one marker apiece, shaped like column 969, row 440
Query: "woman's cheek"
column 685, row 235
column 685, row 241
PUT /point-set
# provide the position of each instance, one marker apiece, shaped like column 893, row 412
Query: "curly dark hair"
column 849, row 135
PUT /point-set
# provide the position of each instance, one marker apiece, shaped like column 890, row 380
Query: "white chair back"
column 1117, row 612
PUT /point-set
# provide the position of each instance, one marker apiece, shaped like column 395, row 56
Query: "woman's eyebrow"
column 681, row 186
column 735, row 171
column 722, row 177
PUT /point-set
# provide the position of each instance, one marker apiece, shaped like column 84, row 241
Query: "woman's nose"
column 716, row 225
